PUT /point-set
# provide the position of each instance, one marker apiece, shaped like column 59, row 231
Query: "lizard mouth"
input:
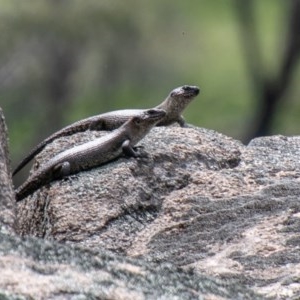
column 189, row 95
column 190, row 91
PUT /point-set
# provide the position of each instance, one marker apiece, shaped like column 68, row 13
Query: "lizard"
column 174, row 104
column 94, row 153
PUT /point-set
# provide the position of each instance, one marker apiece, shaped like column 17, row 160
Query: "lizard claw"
column 137, row 148
column 142, row 154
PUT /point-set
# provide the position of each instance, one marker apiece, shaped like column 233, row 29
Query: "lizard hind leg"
column 62, row 170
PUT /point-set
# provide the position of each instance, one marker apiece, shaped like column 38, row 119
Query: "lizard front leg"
column 128, row 149
column 181, row 121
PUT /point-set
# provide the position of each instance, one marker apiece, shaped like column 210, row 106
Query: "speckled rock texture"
column 35, row 268
column 7, row 205
column 199, row 200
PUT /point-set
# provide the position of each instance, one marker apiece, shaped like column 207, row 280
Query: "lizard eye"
column 152, row 112
column 137, row 121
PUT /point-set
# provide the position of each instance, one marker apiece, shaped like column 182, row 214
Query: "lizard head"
column 141, row 124
column 178, row 99
column 185, row 92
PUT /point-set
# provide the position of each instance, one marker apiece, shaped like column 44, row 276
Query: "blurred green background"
column 61, row 61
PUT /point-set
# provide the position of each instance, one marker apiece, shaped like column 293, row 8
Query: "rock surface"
column 32, row 268
column 199, row 200
column 201, row 217
column 7, row 206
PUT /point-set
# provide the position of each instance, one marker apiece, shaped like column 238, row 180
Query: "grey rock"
column 199, row 200
column 34, row 268
column 7, row 206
